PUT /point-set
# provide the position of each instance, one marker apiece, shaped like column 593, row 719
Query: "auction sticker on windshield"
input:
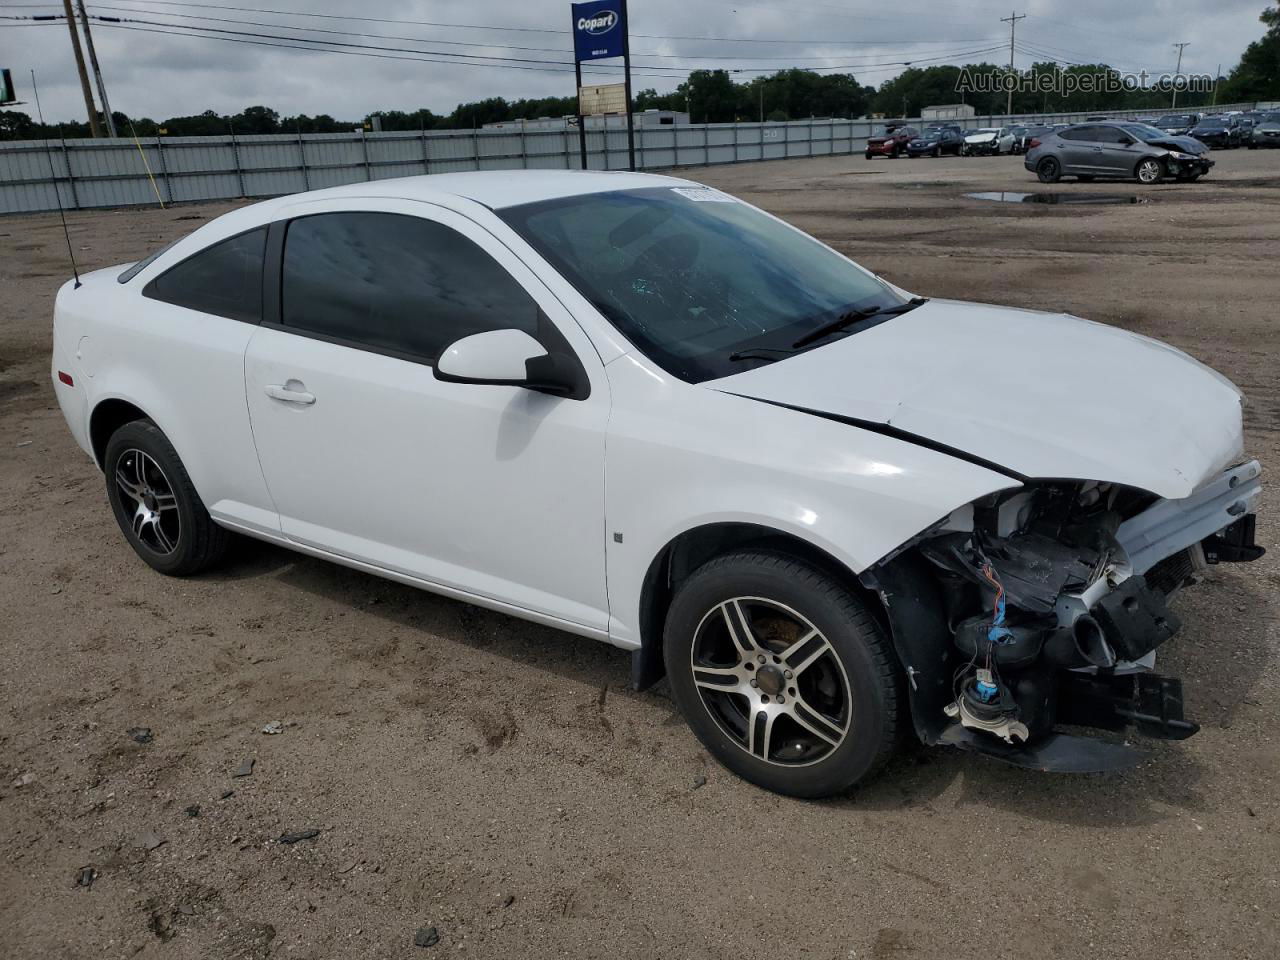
column 703, row 194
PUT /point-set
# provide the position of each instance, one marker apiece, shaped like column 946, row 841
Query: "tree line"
column 714, row 96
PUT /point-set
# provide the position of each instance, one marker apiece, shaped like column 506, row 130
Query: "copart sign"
column 599, row 29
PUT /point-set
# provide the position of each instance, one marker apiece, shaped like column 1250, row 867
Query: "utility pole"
column 1217, row 76
column 97, row 72
column 1012, row 20
column 94, row 129
column 1178, row 72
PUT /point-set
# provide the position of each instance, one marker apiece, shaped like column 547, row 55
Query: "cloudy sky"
column 445, row 50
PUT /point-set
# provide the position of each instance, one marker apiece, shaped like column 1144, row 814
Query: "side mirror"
column 510, row 358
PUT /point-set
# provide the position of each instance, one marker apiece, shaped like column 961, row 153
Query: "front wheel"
column 782, row 673
column 1149, row 171
column 1049, row 170
column 868, row 154
column 156, row 505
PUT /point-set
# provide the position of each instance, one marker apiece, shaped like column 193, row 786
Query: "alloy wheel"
column 1149, row 171
column 155, row 520
column 771, row 681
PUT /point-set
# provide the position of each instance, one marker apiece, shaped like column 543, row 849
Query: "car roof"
column 495, row 189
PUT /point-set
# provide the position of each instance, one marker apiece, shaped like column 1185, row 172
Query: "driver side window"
column 395, row 284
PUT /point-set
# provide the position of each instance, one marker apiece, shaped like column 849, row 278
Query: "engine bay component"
column 1044, row 604
column 1136, row 618
column 986, row 704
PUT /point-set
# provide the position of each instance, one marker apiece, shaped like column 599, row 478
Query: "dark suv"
column 892, row 143
column 936, row 140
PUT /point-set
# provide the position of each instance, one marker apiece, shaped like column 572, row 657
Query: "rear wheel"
column 782, row 673
column 156, row 505
column 1149, row 171
column 1049, row 170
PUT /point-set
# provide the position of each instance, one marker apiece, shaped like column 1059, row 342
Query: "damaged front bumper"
column 1044, row 606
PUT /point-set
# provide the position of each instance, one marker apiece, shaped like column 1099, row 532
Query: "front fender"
column 682, row 456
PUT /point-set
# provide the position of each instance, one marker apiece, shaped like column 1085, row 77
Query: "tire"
column 893, row 154
column 833, row 713
column 937, row 152
column 1149, row 171
column 160, row 513
column 1049, row 170
column 868, row 154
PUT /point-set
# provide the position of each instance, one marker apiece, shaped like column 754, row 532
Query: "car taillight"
column 1033, row 144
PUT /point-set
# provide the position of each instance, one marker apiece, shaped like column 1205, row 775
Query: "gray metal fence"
column 111, row 173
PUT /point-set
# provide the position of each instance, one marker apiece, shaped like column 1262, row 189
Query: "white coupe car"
column 643, row 411
column 988, row 141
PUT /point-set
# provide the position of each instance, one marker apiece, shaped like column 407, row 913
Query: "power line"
column 463, row 43
column 1012, row 21
column 1178, row 72
column 370, row 53
column 483, row 59
column 488, row 27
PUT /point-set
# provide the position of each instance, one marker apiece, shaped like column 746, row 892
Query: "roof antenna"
column 57, row 193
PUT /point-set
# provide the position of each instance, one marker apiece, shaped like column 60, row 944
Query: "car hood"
column 1183, row 144
column 1039, row 394
column 979, row 137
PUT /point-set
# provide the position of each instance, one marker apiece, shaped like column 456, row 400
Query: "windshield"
column 932, row 133
column 1144, row 132
column 692, row 276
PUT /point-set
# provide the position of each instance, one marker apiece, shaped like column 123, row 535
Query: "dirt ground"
column 498, row 781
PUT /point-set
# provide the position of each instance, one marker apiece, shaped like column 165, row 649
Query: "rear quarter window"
column 224, row 279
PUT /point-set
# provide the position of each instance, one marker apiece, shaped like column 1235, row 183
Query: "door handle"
column 289, row 393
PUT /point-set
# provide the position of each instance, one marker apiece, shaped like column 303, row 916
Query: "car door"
column 1079, row 150
column 1118, row 152
column 490, row 492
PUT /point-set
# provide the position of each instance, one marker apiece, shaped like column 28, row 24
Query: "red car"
column 892, row 144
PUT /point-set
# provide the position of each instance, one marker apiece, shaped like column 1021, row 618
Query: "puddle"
column 1001, row 196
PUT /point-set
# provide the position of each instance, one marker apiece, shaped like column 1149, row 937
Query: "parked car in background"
column 1220, row 132
column 936, row 140
column 988, row 141
column 1117, row 149
column 1266, row 132
column 1178, row 124
column 639, row 410
column 892, row 143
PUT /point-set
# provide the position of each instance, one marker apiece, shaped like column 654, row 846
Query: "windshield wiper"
column 852, row 317
column 772, row 354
